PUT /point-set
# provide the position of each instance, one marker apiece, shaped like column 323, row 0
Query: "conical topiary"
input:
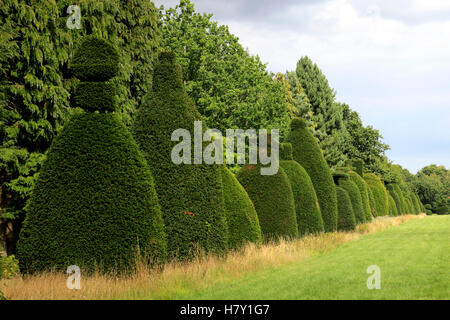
column 242, row 220
column 355, row 198
column 399, row 199
column 346, row 217
column 379, row 193
column 273, row 199
column 307, row 153
column 190, row 194
column 309, row 218
column 363, row 190
column 392, row 206
column 94, row 204
column 372, row 202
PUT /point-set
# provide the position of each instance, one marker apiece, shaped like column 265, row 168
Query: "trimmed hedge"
column 94, row 204
column 372, row 202
column 410, row 205
column 190, row 195
column 395, row 196
column 95, row 59
column 273, row 199
column 415, row 202
column 307, row 153
column 355, row 198
column 399, row 198
column 242, row 220
column 309, row 218
column 392, row 206
column 380, row 196
column 363, row 190
column 346, row 217
column 418, row 203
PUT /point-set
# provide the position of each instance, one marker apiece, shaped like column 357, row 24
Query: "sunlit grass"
column 178, row 278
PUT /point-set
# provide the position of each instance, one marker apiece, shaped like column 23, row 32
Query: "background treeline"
column 230, row 87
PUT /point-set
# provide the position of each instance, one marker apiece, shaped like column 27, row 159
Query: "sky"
column 389, row 60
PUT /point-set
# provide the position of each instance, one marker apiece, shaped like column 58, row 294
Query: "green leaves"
column 231, row 88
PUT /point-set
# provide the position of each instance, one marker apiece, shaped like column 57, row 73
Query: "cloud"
column 389, row 60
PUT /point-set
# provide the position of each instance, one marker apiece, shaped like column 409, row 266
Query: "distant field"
column 414, row 259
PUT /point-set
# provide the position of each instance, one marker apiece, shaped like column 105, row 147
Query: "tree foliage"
column 35, row 82
column 231, row 88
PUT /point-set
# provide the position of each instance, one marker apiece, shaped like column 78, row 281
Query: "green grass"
column 414, row 259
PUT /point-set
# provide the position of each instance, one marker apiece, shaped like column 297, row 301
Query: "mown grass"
column 212, row 277
column 414, row 260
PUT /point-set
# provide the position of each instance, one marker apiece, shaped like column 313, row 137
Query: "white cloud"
column 389, row 60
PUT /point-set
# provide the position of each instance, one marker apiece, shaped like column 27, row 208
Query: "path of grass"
column 414, row 259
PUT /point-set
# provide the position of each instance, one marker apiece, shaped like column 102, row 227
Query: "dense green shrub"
column 358, row 166
column 9, row 267
column 307, row 153
column 400, row 201
column 94, row 204
column 190, row 195
column 346, row 217
column 363, row 190
column 35, row 49
column 309, row 218
column 379, row 193
column 273, row 199
column 355, row 198
column 242, row 220
column 415, row 202
column 392, row 206
column 393, row 192
column 372, row 202
column 410, row 205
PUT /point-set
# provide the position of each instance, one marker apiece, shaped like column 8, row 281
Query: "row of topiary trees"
column 106, row 196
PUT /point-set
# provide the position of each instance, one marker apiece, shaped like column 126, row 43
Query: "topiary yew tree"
column 273, row 199
column 346, row 217
column 190, row 195
column 309, row 218
column 242, row 220
column 392, row 206
column 355, row 198
column 307, row 153
column 94, row 204
column 363, row 190
column 379, row 192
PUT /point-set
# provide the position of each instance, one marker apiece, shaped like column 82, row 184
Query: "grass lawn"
column 414, row 259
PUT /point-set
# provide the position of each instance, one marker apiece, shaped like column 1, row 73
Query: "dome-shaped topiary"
column 372, row 202
column 392, row 206
column 309, row 218
column 380, row 196
column 307, row 153
column 363, row 190
column 355, row 198
column 273, row 199
column 190, row 195
column 242, row 220
column 95, row 62
column 346, row 217
column 94, row 204
column 399, row 199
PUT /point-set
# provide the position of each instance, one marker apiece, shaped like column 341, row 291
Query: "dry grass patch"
column 179, row 277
